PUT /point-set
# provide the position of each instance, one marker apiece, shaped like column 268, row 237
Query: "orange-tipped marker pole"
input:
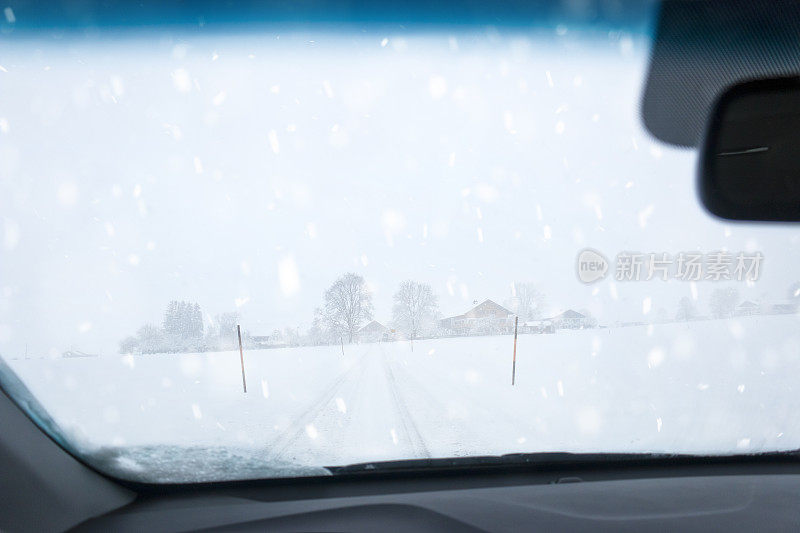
column 514, row 363
column 241, row 356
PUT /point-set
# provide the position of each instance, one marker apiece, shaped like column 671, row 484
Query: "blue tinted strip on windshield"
column 628, row 15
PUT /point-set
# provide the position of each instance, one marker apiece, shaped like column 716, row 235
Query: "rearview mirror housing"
column 749, row 166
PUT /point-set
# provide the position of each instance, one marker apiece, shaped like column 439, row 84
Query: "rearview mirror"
column 750, row 159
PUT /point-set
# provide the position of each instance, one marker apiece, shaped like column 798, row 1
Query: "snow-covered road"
column 364, row 407
column 720, row 386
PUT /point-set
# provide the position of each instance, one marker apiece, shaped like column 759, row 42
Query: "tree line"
column 723, row 303
column 346, row 307
column 183, row 329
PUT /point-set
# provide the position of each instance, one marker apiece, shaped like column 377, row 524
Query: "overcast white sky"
column 248, row 172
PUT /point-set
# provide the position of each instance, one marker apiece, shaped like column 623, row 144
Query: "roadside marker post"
column 241, row 356
column 514, row 360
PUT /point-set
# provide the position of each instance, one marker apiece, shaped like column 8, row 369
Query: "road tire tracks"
column 297, row 429
column 409, row 427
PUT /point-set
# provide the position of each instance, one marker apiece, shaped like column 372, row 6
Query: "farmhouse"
column 747, row 308
column 783, row 309
column 569, row 319
column 374, row 332
column 485, row 318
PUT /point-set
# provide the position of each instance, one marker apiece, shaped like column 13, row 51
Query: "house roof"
column 747, row 303
column 487, row 306
column 569, row 313
column 373, row 326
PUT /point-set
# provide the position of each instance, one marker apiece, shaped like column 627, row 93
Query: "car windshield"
column 263, row 251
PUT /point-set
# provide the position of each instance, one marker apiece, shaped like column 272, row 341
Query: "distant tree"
column 227, row 322
column 183, row 321
column 226, row 327
column 723, row 302
column 314, row 336
column 129, row 345
column 348, row 304
column 415, row 309
column 211, row 340
column 318, row 334
column 526, row 301
column 172, row 319
column 686, row 310
column 181, row 330
column 291, row 336
column 195, row 321
column 151, row 339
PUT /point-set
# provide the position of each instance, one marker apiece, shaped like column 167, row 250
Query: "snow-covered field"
column 721, row 386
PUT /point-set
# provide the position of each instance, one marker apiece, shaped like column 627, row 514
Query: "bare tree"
column 291, row 336
column 415, row 308
column 348, row 304
column 318, row 333
column 723, row 302
column 226, row 329
column 526, row 301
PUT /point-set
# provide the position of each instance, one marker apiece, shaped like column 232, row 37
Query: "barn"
column 485, row 318
column 569, row 319
column 374, row 332
column 747, row 308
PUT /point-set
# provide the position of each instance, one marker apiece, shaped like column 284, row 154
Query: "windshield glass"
column 262, row 252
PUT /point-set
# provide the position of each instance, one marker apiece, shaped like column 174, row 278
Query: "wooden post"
column 241, row 356
column 342, row 341
column 514, row 361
